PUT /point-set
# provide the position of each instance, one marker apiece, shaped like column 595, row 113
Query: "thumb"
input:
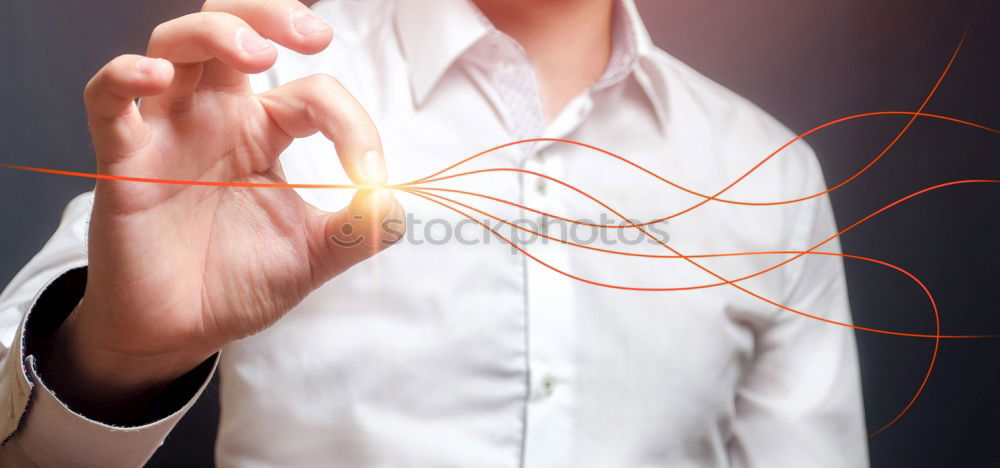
column 371, row 223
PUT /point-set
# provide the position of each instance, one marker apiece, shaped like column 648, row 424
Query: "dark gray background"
column 807, row 62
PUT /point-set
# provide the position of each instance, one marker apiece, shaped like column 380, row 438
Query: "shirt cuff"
column 51, row 433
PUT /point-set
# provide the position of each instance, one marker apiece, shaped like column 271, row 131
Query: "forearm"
column 36, row 427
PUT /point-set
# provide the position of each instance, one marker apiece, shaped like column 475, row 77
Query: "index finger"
column 287, row 22
column 320, row 103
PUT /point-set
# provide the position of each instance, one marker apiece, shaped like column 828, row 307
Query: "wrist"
column 96, row 379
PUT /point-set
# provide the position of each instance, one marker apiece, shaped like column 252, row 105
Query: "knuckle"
column 324, row 80
column 202, row 23
column 164, row 26
column 160, row 30
column 219, row 20
column 210, row 18
column 95, row 85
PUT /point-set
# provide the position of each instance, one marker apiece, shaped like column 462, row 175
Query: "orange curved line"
column 427, row 191
column 706, row 197
column 89, row 175
column 420, row 192
column 191, row 182
column 434, row 177
column 425, row 195
column 892, row 143
column 937, row 318
column 723, row 280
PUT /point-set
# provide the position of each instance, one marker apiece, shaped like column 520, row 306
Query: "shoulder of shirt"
column 699, row 106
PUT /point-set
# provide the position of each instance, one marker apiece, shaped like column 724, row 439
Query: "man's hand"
column 176, row 272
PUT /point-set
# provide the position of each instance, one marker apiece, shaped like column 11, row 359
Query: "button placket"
column 551, row 327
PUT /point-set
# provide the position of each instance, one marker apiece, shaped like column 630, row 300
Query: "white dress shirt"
column 466, row 353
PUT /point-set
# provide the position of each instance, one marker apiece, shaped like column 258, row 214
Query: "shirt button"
column 548, row 385
column 541, row 185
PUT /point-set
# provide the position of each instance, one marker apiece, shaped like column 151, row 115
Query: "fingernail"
column 307, row 24
column 252, row 42
column 148, row 66
column 373, row 167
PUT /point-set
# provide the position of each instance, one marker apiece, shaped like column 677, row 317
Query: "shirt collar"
column 433, row 39
column 629, row 42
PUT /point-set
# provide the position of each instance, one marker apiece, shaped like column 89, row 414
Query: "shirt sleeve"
column 801, row 402
column 38, row 429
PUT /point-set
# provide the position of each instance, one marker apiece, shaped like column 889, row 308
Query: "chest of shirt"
column 459, row 303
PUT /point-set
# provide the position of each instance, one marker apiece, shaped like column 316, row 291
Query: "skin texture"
column 177, row 272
